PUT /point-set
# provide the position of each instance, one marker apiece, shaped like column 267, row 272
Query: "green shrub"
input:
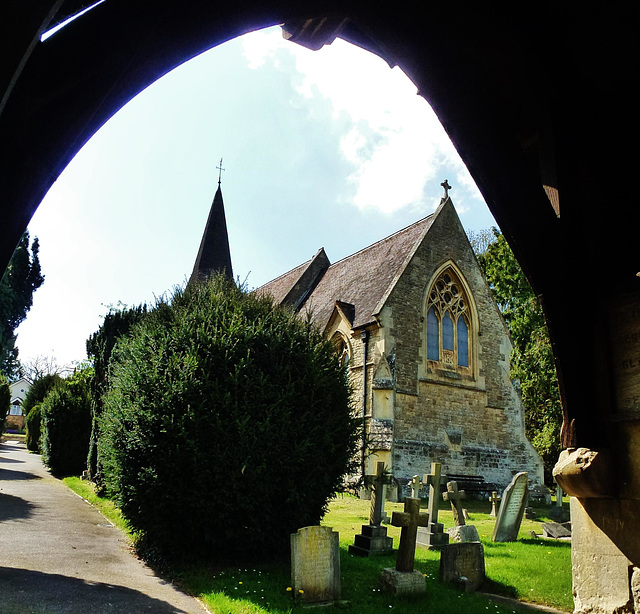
column 39, row 390
column 226, row 426
column 116, row 324
column 5, row 401
column 33, row 422
column 66, row 425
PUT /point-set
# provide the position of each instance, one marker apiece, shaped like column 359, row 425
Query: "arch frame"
column 436, row 369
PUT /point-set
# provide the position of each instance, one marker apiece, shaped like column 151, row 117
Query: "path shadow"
column 23, row 591
column 9, row 474
column 12, row 508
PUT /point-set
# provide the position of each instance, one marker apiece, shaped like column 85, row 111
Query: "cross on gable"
column 409, row 521
column 454, row 496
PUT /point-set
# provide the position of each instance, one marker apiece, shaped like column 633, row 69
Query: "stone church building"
column 425, row 345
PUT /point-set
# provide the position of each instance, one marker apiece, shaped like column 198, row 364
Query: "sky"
column 328, row 148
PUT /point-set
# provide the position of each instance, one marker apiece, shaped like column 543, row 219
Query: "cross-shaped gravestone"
column 494, row 504
column 415, row 487
column 409, row 520
column 454, row 496
column 378, row 482
column 432, row 480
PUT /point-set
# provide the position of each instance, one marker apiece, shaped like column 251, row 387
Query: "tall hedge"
column 33, row 423
column 66, row 425
column 5, row 401
column 226, row 426
column 116, row 324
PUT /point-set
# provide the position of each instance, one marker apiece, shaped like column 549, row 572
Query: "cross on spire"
column 220, row 169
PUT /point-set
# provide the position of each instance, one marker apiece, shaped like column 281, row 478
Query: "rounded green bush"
column 66, row 426
column 33, row 422
column 226, row 426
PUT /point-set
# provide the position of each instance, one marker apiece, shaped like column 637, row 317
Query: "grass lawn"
column 533, row 570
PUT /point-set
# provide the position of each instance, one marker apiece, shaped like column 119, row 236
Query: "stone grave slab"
column 315, row 565
column 463, row 564
column 465, row 533
column 514, row 500
column 555, row 530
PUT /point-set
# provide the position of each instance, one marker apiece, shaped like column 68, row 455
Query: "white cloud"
column 396, row 143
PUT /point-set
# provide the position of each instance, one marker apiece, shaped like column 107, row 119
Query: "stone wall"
column 471, row 421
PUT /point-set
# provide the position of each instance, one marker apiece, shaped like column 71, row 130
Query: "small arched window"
column 342, row 349
column 448, row 322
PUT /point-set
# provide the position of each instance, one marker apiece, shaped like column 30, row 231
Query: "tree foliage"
column 38, row 390
column 532, row 362
column 222, row 405
column 33, row 424
column 21, row 279
column 66, row 425
column 116, row 324
column 5, row 401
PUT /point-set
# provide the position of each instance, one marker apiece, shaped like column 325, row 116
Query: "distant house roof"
column 362, row 281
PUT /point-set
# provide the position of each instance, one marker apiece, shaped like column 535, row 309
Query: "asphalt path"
column 60, row 555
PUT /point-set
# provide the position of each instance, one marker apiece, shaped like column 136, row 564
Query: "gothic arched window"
column 448, row 322
column 342, row 349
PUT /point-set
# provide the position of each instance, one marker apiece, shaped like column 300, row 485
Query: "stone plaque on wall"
column 625, row 351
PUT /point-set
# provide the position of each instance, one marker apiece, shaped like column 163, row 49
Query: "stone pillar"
column 601, row 573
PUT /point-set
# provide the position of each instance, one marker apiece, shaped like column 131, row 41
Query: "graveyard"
column 530, row 570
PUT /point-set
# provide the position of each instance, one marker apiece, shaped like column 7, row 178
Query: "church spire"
column 214, row 255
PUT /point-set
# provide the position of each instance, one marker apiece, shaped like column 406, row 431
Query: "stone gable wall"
column 472, row 425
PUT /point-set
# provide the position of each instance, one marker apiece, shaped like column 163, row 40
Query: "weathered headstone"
column 494, row 504
column 463, row 564
column 433, row 536
column 373, row 537
column 461, row 532
column 529, row 514
column 557, row 512
column 404, row 579
column 315, row 564
column 514, row 500
column 555, row 530
column 415, row 487
column 455, row 496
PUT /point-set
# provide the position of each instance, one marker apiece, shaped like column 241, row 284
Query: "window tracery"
column 448, row 322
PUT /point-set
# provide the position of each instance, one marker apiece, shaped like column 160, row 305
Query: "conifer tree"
column 21, row 279
column 532, row 362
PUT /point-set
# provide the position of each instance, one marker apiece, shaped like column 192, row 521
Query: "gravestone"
column 315, row 565
column 514, row 500
column 373, row 537
column 461, row 532
column 455, row 496
column 494, row 504
column 555, row 530
column 463, row 564
column 433, row 536
column 404, row 579
column 415, row 487
column 557, row 512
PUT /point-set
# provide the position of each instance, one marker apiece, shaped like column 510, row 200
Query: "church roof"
column 214, row 254
column 363, row 280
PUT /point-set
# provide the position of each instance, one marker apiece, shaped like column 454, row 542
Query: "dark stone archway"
column 537, row 100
